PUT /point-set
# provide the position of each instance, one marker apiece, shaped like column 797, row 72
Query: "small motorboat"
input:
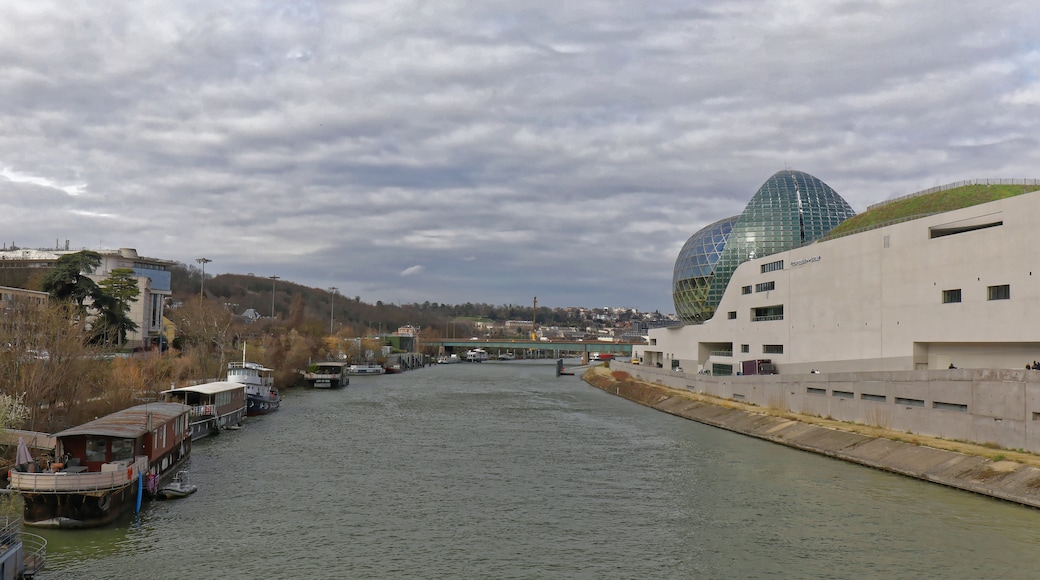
column 178, row 487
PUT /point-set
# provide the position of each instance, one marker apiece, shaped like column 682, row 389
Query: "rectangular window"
column 951, row 296
column 765, row 286
column 1002, row 292
column 97, row 450
column 745, row 348
column 843, row 394
column 950, row 407
column 773, row 266
column 721, row 370
column 732, row 315
column 773, row 349
column 875, row 398
column 745, row 290
column 767, row 313
column 909, row 402
column 815, row 391
column 122, row 449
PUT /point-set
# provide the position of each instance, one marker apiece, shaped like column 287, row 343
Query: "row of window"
column 766, row 348
column 906, row 402
column 760, row 287
column 1000, row 292
column 761, row 313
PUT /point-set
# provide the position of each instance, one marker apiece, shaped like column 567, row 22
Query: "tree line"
column 64, row 361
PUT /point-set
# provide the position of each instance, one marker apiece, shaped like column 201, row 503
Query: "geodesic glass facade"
column 695, row 267
column 791, row 209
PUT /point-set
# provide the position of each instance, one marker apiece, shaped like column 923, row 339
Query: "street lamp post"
column 332, row 309
column 273, row 279
column 203, row 262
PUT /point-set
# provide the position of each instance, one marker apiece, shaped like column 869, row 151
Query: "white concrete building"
column 960, row 287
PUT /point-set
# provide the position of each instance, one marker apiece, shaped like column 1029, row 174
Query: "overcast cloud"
column 482, row 151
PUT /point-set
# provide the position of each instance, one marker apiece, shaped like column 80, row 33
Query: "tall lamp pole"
column 273, row 280
column 203, row 262
column 332, row 309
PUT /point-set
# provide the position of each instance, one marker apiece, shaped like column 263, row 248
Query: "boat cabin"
column 158, row 431
column 327, row 375
column 214, row 406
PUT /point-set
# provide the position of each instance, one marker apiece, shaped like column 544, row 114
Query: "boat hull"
column 256, row 405
column 365, row 370
column 79, row 510
column 329, row 383
column 205, row 426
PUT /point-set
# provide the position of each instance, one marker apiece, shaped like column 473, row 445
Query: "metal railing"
column 956, row 184
column 68, row 482
column 34, row 553
column 767, row 318
column 721, row 353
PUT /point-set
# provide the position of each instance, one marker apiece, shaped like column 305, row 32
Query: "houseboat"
column 365, row 369
column 476, row 355
column 261, row 396
column 214, row 406
column 106, row 467
column 327, row 375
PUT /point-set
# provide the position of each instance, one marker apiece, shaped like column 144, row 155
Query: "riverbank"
column 1003, row 474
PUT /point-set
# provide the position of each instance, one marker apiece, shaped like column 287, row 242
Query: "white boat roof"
column 247, row 365
column 209, row 388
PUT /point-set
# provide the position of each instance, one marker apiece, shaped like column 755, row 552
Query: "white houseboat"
column 365, row 369
column 214, row 406
column 261, row 396
column 327, row 375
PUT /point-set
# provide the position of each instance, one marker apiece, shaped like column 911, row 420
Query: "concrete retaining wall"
column 1007, row 480
column 994, row 407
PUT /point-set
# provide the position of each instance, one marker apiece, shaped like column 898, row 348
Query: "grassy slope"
column 931, row 203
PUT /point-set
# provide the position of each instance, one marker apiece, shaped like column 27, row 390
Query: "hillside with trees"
column 63, row 361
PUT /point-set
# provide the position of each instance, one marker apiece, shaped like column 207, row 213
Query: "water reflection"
column 505, row 470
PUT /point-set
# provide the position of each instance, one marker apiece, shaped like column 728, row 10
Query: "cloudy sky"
column 485, row 151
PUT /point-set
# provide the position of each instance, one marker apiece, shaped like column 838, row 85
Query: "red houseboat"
column 106, row 467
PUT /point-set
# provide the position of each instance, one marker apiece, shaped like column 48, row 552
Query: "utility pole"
column 273, row 280
column 203, row 262
column 534, row 320
column 332, row 309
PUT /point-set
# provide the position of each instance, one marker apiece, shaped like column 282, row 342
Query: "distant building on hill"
column 152, row 275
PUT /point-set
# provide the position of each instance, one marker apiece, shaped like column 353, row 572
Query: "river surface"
column 503, row 470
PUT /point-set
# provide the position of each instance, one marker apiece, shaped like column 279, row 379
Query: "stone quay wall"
column 987, row 472
column 998, row 408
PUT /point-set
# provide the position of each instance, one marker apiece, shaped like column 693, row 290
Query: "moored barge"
column 261, row 396
column 107, row 467
column 214, row 406
column 327, row 375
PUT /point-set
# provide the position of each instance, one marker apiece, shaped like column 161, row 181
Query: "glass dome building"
column 695, row 267
column 791, row 209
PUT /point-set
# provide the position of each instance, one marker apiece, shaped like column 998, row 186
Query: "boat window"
column 122, row 449
column 96, row 449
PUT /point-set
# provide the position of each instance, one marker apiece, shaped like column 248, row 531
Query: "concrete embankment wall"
column 1007, row 480
column 993, row 407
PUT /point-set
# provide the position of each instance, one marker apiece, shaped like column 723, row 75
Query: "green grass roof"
column 925, row 205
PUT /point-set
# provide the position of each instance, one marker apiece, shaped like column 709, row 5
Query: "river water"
column 503, row 470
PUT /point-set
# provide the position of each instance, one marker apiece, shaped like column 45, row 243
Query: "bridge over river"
column 535, row 348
